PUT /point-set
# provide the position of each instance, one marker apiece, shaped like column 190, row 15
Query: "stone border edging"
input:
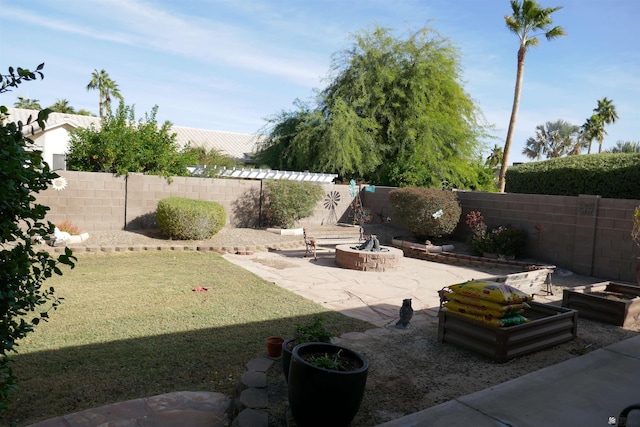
column 461, row 259
column 240, row 250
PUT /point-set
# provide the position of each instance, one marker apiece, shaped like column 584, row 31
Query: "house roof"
column 237, row 145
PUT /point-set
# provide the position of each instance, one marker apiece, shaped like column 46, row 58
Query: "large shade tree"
column 124, row 145
column 554, row 139
column 106, row 88
column 394, row 112
column 528, row 21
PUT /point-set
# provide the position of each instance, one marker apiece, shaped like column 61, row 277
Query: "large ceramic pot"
column 287, row 351
column 321, row 396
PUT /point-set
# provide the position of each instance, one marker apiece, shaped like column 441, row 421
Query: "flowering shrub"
column 504, row 241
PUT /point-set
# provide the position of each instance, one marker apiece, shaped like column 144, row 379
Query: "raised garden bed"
column 607, row 302
column 549, row 326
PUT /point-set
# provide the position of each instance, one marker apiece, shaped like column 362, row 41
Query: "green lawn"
column 131, row 326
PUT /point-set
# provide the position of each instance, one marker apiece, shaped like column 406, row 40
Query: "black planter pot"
column 286, row 357
column 323, row 397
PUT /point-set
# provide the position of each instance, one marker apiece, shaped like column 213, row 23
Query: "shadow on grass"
column 66, row 380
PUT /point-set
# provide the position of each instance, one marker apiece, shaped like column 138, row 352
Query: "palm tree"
column 607, row 113
column 554, row 139
column 106, row 88
column 592, row 129
column 626, row 147
column 62, row 106
column 494, row 160
column 29, row 104
column 528, row 21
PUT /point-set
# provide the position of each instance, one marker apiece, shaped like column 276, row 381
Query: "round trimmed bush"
column 189, row 219
column 419, row 209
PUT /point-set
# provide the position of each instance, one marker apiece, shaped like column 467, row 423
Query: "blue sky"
column 228, row 65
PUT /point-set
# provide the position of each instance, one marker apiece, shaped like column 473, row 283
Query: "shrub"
column 428, row 212
column 24, row 300
column 188, row 219
column 608, row 175
column 504, row 241
column 287, row 202
column 313, row 332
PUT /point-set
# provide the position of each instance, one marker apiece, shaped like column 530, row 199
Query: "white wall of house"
column 54, row 141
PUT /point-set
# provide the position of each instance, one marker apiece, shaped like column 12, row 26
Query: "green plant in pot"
column 326, row 384
column 635, row 235
column 314, row 331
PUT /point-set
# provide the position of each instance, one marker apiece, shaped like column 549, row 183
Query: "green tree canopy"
column 394, row 113
column 24, row 299
column 123, row 145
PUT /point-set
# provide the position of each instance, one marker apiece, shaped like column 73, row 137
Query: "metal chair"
column 310, row 243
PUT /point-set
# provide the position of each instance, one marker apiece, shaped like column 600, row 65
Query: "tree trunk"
column 514, row 114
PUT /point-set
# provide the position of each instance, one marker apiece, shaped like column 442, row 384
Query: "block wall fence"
column 588, row 235
column 102, row 201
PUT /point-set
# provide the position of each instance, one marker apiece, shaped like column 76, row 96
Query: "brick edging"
column 226, row 249
column 462, row 259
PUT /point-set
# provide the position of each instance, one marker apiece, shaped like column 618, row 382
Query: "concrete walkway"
column 374, row 297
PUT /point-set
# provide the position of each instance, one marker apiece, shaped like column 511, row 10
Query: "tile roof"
column 237, row 145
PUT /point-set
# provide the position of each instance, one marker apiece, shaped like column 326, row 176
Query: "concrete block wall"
column 102, row 201
column 145, row 191
column 92, row 201
column 587, row 234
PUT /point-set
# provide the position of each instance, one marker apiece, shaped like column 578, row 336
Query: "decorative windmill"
column 330, row 203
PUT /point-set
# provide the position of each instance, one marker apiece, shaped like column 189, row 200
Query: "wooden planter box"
column 607, row 302
column 530, row 282
column 549, row 326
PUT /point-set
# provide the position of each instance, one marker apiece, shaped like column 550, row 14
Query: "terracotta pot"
column 274, row 346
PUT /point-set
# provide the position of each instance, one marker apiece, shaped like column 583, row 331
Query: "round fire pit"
column 388, row 259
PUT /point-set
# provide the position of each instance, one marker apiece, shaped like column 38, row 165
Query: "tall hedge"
column 189, row 219
column 428, row 212
column 609, row 175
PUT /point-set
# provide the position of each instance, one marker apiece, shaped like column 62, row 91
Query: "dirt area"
column 410, row 370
